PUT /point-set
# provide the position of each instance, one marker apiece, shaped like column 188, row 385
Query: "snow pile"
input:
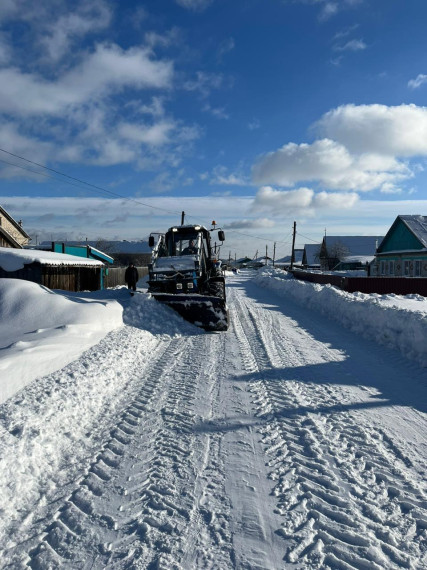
column 392, row 320
column 43, row 330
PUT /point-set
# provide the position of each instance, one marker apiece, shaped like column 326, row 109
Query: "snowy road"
column 287, row 442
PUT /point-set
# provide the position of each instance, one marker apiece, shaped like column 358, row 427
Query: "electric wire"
column 92, row 187
column 98, row 189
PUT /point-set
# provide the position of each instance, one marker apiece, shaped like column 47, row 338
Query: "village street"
column 285, row 442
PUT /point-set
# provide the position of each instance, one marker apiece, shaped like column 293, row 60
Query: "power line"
column 306, row 237
column 93, row 187
column 98, row 189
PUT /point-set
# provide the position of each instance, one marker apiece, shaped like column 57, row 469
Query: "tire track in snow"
column 146, row 499
column 342, row 489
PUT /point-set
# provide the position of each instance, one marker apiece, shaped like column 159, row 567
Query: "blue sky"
column 254, row 113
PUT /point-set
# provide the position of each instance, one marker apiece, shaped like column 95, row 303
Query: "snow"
column 396, row 321
column 43, row 330
column 15, row 259
column 297, row 439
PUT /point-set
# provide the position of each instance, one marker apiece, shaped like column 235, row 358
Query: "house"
column 286, row 261
column 122, row 252
column 11, row 232
column 310, row 256
column 335, row 248
column 88, row 252
column 403, row 251
column 53, row 270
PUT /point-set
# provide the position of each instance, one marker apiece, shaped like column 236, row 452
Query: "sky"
column 116, row 117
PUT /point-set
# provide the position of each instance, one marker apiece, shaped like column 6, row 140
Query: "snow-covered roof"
column 358, row 258
column 418, row 226
column 15, row 259
column 355, row 245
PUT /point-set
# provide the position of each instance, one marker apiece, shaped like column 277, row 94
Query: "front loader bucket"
column 208, row 312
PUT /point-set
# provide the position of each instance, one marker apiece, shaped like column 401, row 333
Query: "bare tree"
column 336, row 253
column 104, row 245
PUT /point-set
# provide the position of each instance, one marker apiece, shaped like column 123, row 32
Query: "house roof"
column 12, row 221
column 354, row 245
column 15, row 259
column 9, row 238
column 312, row 251
column 418, row 226
column 113, row 247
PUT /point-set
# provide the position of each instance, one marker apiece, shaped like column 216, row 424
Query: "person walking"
column 131, row 277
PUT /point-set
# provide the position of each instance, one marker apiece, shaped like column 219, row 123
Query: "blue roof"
column 355, row 245
column 312, row 251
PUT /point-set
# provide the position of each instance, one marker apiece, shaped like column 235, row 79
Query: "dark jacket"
column 131, row 275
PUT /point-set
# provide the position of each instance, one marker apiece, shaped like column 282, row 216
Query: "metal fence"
column 380, row 285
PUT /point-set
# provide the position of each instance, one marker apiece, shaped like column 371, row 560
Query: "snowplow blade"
column 209, row 313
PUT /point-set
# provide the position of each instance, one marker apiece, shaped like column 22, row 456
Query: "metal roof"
column 418, row 226
column 356, row 245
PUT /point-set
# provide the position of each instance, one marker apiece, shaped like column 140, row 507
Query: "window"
column 417, row 268
column 382, row 268
column 391, row 268
column 406, row 268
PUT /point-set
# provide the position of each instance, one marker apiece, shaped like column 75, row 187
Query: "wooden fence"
column 116, row 276
column 380, row 285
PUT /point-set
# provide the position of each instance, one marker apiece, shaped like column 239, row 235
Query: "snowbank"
column 43, row 330
column 396, row 321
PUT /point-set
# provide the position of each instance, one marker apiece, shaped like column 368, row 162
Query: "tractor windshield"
column 182, row 244
column 185, row 244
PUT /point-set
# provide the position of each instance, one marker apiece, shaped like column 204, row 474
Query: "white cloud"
column 352, row 45
column 108, row 69
column 257, row 223
column 364, row 148
column 221, row 176
column 61, row 33
column 329, row 8
column 329, row 163
column 254, row 125
column 279, row 202
column 11, row 139
column 204, row 83
column 5, row 50
column 395, row 131
column 196, row 5
column 218, row 112
column 225, row 47
column 154, row 39
column 155, row 135
column 418, row 81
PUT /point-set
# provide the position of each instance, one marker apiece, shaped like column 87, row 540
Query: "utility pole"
column 182, row 218
column 274, row 253
column 266, row 256
column 293, row 246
